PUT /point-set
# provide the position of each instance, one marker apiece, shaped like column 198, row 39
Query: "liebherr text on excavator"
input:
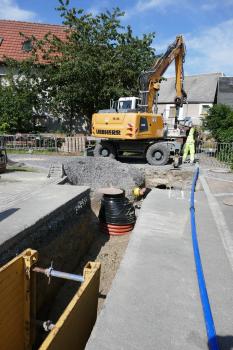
column 130, row 126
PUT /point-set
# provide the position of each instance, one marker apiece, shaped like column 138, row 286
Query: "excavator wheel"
column 104, row 149
column 158, row 154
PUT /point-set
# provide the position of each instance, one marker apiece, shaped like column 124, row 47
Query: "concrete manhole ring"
column 228, row 201
column 220, row 171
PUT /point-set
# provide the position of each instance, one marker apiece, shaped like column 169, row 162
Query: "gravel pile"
column 103, row 172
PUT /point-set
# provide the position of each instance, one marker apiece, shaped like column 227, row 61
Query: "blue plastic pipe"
column 209, row 322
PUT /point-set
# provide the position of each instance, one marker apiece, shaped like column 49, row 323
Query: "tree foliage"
column 21, row 98
column 219, row 122
column 99, row 60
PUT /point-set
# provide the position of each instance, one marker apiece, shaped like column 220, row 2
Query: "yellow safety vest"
column 190, row 138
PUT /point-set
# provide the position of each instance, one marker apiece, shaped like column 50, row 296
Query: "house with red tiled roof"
column 14, row 45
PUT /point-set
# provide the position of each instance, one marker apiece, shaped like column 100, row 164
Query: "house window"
column 27, row 46
column 143, row 124
column 205, row 109
column 125, row 104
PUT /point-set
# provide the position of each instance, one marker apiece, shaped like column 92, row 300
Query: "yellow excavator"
column 131, row 128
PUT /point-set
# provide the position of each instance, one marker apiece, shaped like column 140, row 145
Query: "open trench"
column 106, row 249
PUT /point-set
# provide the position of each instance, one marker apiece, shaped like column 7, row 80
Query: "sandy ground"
column 110, row 254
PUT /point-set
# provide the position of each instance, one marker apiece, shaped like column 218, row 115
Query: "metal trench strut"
column 209, row 322
column 50, row 272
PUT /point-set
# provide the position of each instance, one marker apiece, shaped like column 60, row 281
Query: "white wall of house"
column 196, row 111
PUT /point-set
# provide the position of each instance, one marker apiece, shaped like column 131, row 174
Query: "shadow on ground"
column 4, row 214
column 224, row 342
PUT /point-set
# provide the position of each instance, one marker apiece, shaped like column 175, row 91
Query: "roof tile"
column 12, row 40
column 200, row 88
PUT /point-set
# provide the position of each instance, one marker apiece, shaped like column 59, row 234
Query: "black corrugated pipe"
column 117, row 212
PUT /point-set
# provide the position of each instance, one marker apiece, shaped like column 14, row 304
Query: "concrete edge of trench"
column 154, row 299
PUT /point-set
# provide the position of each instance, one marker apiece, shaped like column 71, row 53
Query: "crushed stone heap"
column 103, row 172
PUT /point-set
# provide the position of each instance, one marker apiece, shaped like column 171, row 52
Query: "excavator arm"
column 150, row 80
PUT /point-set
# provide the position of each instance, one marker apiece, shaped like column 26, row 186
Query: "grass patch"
column 43, row 152
column 24, row 151
column 13, row 168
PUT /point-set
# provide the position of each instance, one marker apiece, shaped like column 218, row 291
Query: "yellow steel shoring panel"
column 16, row 304
column 74, row 326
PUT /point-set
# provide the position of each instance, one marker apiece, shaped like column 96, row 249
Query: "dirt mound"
column 103, row 172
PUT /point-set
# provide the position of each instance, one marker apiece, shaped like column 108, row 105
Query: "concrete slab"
column 55, row 220
column 218, row 189
column 27, row 210
column 218, row 186
column 154, row 300
column 217, row 267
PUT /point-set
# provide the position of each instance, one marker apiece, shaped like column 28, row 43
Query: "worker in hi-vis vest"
column 189, row 146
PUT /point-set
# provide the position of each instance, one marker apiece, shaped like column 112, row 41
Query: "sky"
column 207, row 25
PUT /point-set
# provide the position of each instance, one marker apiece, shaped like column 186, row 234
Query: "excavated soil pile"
column 103, row 172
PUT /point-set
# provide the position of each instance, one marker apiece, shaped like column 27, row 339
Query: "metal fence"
column 215, row 154
column 29, row 141
column 75, row 144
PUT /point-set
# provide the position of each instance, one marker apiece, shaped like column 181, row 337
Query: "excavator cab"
column 3, row 159
column 125, row 104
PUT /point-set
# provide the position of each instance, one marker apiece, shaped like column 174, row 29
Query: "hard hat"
column 136, row 192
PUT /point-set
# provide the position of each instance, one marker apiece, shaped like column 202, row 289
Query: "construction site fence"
column 74, row 144
column 216, row 154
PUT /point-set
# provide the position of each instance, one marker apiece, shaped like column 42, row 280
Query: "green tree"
column 219, row 122
column 21, row 98
column 99, row 60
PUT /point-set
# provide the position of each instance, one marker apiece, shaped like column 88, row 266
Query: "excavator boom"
column 150, row 80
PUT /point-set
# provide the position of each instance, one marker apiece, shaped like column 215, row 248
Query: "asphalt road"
column 38, row 160
column 44, row 161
